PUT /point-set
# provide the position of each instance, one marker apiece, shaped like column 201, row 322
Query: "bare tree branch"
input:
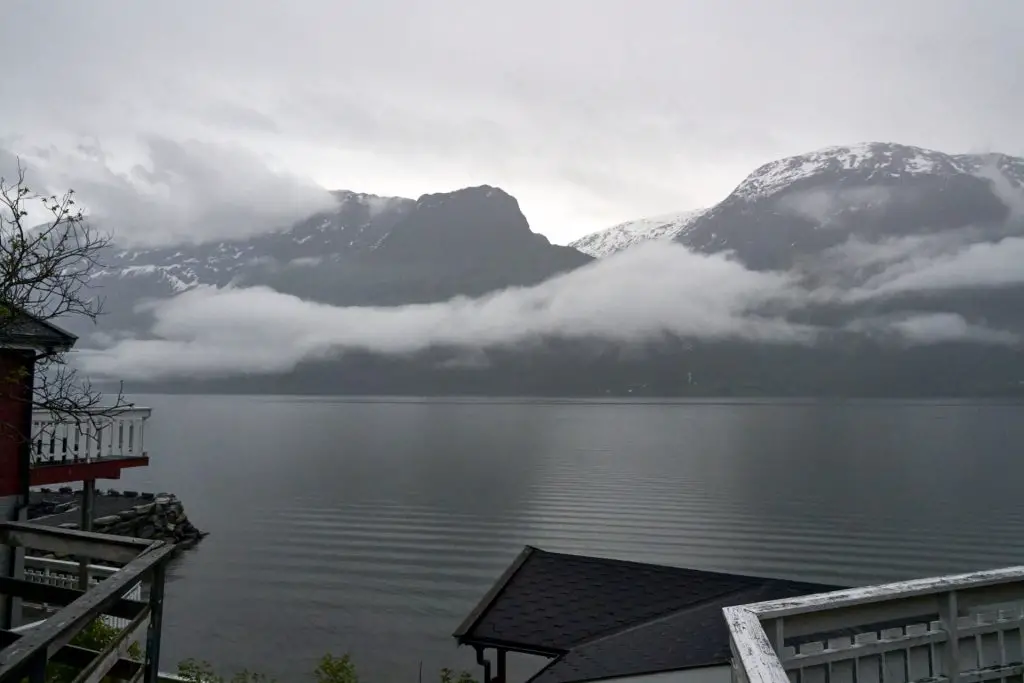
column 45, row 273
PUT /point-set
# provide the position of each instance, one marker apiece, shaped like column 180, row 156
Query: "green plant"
column 448, row 676
column 202, row 672
column 333, row 669
column 96, row 636
column 330, row 669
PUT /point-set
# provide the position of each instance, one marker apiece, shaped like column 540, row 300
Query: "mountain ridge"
column 847, row 218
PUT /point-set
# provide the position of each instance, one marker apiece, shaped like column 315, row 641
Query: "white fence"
column 951, row 629
column 64, row 573
column 102, row 433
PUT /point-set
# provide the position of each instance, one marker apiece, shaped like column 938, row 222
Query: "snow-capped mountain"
column 800, row 214
column 624, row 235
column 867, row 163
column 358, row 225
column 369, row 251
column 796, row 208
column 843, row 187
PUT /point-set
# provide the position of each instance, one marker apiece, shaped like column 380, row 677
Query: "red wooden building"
column 38, row 448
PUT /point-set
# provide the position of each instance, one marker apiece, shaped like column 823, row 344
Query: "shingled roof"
column 603, row 618
column 20, row 328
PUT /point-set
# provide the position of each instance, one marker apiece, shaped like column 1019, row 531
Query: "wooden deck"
column 102, row 506
column 26, row 653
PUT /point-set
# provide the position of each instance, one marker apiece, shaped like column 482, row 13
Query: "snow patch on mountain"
column 624, row 235
column 867, row 160
column 179, row 278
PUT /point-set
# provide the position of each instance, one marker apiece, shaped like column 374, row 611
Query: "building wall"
column 15, row 401
column 11, row 563
column 15, row 418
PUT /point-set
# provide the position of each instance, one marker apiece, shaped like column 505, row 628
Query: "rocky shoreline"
column 157, row 516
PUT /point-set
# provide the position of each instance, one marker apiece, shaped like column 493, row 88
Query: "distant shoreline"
column 638, row 399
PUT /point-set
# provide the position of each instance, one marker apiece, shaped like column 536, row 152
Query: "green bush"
column 330, row 669
column 95, row 636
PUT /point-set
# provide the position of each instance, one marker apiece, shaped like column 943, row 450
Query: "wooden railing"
column 100, row 433
column 65, row 574
column 27, row 653
column 950, row 629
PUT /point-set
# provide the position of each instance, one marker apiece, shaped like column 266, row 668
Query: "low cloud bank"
column 654, row 290
column 650, row 291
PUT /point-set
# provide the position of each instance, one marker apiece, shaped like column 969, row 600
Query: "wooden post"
column 88, row 508
column 156, row 614
column 949, row 615
column 18, row 572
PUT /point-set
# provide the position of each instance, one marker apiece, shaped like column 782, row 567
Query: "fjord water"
column 373, row 526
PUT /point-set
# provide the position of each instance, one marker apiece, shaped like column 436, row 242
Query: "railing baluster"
column 949, row 616
column 94, row 436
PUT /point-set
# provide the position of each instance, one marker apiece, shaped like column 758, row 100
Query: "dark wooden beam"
column 57, row 595
column 43, row 641
column 99, row 668
column 88, row 511
column 156, row 611
column 48, row 474
column 80, row 657
column 119, row 549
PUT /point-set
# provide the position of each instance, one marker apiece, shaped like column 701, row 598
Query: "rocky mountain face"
column 370, row 251
column 865, row 216
column 797, row 208
column 853, row 219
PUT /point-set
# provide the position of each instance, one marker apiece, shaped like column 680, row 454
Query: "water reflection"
column 373, row 526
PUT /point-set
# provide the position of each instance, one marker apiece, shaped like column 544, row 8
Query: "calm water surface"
column 374, row 526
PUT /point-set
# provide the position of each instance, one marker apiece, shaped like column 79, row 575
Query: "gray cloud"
column 669, row 104
column 188, row 191
column 935, row 328
column 590, row 111
column 1009, row 191
column 982, row 265
column 824, row 207
column 649, row 291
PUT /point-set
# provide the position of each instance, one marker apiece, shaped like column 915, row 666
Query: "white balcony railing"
column 950, row 629
column 103, row 433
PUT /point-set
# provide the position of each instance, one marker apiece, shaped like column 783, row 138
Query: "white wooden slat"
column 976, row 640
column 119, row 434
column 919, row 664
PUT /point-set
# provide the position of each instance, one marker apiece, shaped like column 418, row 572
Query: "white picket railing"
column 64, row 573
column 952, row 629
column 101, row 433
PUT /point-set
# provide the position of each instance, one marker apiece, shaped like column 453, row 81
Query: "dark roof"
column 605, row 618
column 25, row 329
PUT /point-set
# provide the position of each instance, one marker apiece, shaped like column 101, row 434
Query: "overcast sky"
column 589, row 111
